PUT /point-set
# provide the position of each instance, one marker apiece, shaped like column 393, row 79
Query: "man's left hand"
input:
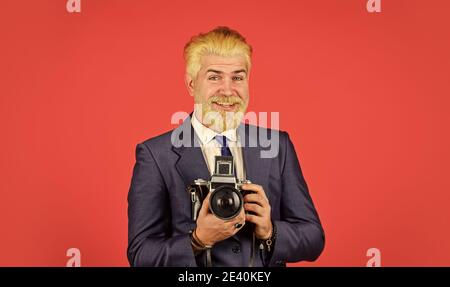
column 258, row 204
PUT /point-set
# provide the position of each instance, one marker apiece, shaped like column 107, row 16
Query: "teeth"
column 225, row 104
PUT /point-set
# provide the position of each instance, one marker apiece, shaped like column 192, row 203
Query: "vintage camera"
column 227, row 197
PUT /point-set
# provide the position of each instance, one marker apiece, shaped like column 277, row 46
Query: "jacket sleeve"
column 299, row 232
column 150, row 242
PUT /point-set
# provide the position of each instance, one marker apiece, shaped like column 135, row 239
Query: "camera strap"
column 252, row 254
column 208, row 258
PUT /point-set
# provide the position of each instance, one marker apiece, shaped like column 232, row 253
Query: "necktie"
column 223, row 145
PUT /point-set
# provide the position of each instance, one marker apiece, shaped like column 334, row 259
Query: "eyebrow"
column 220, row 72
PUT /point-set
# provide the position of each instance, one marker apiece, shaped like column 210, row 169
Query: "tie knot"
column 225, row 151
column 222, row 140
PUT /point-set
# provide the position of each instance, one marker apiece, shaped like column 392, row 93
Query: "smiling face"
column 220, row 91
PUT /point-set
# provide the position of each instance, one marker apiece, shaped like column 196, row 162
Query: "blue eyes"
column 216, row 78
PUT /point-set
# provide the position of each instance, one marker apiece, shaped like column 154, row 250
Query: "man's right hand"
column 211, row 229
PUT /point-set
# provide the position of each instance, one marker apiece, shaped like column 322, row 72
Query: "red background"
column 364, row 96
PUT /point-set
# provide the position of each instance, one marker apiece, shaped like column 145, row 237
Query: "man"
column 278, row 222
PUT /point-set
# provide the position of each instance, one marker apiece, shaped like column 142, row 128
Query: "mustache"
column 225, row 99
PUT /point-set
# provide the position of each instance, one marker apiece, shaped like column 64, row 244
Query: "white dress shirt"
column 210, row 147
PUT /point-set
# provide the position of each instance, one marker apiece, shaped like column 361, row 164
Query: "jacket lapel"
column 256, row 168
column 191, row 164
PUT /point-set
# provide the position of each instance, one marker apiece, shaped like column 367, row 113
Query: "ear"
column 189, row 82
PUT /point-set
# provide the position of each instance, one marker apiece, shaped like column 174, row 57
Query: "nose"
column 226, row 88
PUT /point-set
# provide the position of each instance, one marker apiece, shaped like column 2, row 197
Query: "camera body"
column 227, row 197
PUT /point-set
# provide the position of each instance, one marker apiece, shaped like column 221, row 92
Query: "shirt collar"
column 206, row 134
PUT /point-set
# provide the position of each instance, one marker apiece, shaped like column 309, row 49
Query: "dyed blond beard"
column 220, row 121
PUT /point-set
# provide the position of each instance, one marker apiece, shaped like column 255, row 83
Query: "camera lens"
column 226, row 202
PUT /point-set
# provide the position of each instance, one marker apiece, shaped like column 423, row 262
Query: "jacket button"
column 236, row 249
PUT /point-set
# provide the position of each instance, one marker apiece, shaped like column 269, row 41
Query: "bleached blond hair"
column 222, row 41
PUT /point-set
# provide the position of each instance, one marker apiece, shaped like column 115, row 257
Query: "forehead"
column 223, row 63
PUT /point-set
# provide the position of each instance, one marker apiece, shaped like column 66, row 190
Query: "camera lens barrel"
column 226, row 202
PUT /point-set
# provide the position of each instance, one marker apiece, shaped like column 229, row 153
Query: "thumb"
column 205, row 205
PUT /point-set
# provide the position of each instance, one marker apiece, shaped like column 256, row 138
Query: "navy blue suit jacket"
column 159, row 209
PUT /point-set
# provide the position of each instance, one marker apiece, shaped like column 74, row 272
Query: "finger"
column 236, row 227
column 204, row 210
column 255, row 198
column 255, row 208
column 233, row 226
column 253, row 219
column 258, row 189
column 241, row 216
column 239, row 225
column 238, row 219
